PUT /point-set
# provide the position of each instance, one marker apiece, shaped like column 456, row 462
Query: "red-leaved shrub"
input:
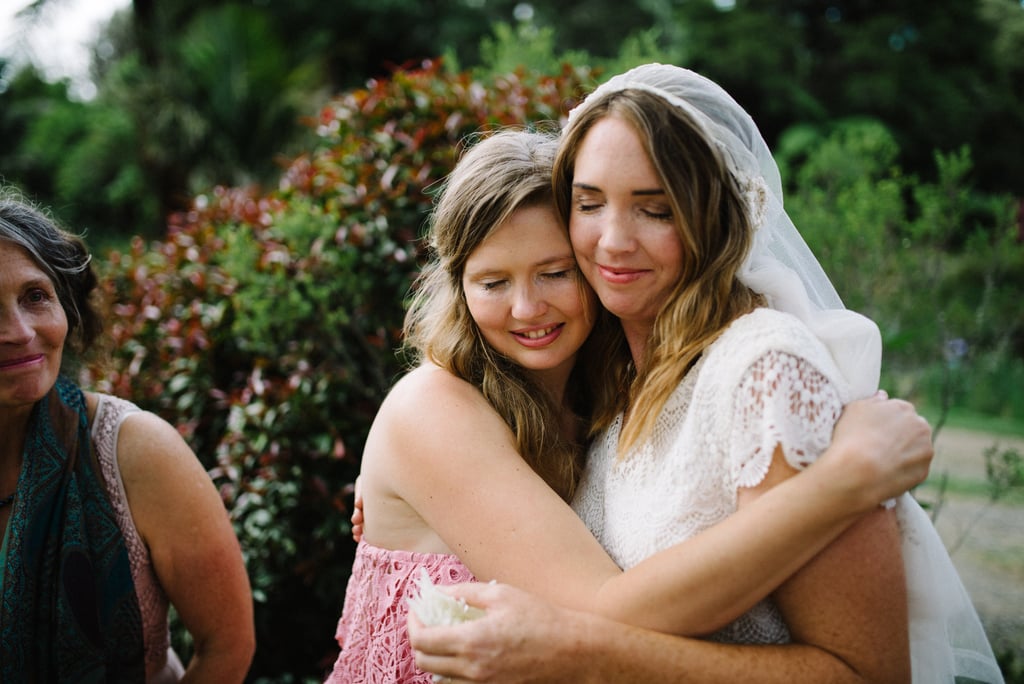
column 265, row 326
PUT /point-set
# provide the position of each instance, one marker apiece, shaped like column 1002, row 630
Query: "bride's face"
column 622, row 225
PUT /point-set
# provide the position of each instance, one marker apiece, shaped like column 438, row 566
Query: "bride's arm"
column 460, row 472
column 880, row 448
column 524, row 639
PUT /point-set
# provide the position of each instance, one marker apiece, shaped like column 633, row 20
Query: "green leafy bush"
column 938, row 265
column 266, row 328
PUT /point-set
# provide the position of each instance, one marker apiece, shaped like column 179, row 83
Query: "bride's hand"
column 883, row 448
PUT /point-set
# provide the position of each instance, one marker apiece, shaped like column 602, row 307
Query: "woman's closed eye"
column 658, row 214
column 560, row 274
column 586, row 206
column 585, row 201
column 491, row 285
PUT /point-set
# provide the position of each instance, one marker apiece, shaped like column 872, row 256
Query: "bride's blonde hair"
column 716, row 235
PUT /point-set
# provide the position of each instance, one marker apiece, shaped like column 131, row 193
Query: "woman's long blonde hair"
column 502, row 173
column 716, row 235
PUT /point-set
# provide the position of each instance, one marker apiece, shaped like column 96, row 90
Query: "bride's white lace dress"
column 766, row 381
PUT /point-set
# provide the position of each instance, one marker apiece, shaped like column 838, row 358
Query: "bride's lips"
column 620, row 276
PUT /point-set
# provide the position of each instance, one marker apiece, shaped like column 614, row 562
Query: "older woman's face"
column 33, row 327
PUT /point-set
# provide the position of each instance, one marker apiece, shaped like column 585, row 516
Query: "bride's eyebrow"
column 652, row 192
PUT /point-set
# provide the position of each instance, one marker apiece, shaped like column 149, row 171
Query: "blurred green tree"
column 212, row 88
column 904, row 62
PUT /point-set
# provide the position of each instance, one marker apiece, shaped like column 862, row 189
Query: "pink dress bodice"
column 374, row 643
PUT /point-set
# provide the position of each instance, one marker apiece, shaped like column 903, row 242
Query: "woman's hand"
column 521, row 639
column 357, row 513
column 882, row 448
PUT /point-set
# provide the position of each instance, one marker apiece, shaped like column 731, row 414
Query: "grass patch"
column 940, row 484
column 1008, row 560
column 972, row 420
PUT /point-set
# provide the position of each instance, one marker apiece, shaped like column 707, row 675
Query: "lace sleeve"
column 784, row 400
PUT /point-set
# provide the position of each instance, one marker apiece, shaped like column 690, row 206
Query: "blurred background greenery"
column 191, row 93
column 254, row 175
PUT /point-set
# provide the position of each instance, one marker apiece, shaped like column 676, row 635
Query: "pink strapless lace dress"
column 374, row 643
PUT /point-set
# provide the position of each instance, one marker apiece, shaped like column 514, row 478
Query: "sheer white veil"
column 947, row 638
column 780, row 265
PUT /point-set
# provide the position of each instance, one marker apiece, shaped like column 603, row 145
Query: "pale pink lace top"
column 766, row 381
column 162, row 664
column 374, row 643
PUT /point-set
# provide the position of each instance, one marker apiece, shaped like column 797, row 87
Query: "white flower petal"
column 433, row 607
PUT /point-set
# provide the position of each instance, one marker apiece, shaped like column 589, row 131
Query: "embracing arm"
column 194, row 551
column 525, row 640
column 880, row 448
column 849, row 603
column 846, row 610
column 505, row 524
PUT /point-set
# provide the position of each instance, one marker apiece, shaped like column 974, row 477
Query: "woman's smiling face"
column 524, row 292
column 622, row 225
column 33, row 327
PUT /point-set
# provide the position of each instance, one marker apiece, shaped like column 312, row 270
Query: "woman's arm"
column 194, row 551
column 850, row 600
column 466, row 481
column 880, row 448
column 525, row 640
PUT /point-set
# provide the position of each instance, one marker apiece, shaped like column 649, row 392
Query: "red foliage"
column 265, row 323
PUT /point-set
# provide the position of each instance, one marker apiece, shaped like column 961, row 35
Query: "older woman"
column 107, row 516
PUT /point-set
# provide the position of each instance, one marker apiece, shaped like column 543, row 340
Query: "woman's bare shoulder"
column 429, row 389
column 428, row 411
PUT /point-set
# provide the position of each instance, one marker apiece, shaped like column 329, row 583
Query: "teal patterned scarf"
column 69, row 612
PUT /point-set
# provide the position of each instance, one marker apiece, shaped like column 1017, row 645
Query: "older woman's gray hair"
column 62, row 256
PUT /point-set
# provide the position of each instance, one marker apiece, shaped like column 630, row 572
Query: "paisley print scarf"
column 68, row 609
